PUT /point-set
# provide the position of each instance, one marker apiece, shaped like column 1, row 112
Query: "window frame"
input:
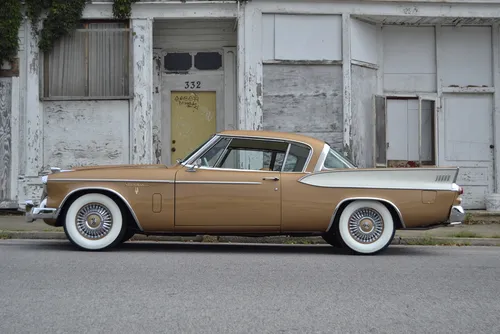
column 44, row 70
column 190, row 163
column 192, row 53
column 380, row 140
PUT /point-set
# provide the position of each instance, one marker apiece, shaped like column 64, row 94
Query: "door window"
column 246, row 154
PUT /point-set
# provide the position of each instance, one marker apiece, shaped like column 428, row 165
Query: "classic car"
column 249, row 183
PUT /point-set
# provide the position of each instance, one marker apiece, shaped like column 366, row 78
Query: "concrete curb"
column 398, row 240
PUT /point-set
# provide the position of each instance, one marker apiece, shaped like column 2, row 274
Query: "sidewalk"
column 484, row 233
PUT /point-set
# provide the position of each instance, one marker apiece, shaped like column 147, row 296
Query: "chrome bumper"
column 457, row 215
column 34, row 212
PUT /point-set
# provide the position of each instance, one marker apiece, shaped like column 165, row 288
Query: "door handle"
column 272, row 178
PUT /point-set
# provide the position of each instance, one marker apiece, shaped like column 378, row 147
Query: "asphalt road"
column 49, row 287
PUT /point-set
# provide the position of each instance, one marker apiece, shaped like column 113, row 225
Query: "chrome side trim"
column 100, row 188
column 364, row 198
column 217, row 182
column 357, row 170
column 110, row 180
column 382, row 187
column 233, row 169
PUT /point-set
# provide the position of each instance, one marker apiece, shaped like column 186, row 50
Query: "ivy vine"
column 10, row 22
column 61, row 17
column 122, row 8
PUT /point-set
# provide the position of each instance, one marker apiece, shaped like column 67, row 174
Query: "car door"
column 237, row 185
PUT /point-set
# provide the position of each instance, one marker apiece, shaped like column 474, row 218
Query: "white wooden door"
column 465, row 140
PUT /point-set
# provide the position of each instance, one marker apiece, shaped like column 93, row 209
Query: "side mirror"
column 195, row 165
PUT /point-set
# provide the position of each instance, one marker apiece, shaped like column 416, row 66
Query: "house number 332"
column 192, row 84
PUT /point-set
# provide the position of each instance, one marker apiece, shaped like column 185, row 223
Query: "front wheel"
column 94, row 222
column 366, row 227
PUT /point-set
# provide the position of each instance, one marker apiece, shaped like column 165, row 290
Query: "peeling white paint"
column 34, row 135
column 142, row 104
column 496, row 106
column 346, row 82
column 250, row 113
column 157, row 109
column 82, row 133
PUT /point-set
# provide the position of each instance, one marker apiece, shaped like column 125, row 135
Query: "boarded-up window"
column 91, row 62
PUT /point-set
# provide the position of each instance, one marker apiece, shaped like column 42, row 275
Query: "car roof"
column 314, row 142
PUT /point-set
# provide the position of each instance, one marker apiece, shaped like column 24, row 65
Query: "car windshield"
column 335, row 160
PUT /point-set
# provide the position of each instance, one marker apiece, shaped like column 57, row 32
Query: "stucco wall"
column 364, row 85
column 79, row 133
column 304, row 99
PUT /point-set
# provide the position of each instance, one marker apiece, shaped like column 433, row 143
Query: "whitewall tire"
column 94, row 222
column 366, row 227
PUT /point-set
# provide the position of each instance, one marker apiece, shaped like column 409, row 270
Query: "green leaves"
column 122, row 8
column 10, row 22
column 62, row 18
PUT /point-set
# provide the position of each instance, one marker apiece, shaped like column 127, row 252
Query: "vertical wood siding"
column 5, row 137
column 304, row 99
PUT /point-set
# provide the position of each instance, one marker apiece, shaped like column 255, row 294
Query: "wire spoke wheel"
column 94, row 221
column 366, row 225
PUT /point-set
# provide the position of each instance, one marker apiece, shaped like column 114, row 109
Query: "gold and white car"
column 250, row 183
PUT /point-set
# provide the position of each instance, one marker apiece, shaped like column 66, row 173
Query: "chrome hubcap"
column 366, row 225
column 94, row 221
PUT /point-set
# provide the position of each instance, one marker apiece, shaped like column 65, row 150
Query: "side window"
column 297, row 157
column 253, row 154
column 334, row 160
column 210, row 158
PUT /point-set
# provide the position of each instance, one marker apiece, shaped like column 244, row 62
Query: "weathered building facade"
column 389, row 83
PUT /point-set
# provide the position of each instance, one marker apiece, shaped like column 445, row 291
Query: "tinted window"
column 297, row 158
column 335, row 160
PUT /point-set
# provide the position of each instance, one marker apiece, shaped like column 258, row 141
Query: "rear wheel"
column 94, row 222
column 365, row 227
